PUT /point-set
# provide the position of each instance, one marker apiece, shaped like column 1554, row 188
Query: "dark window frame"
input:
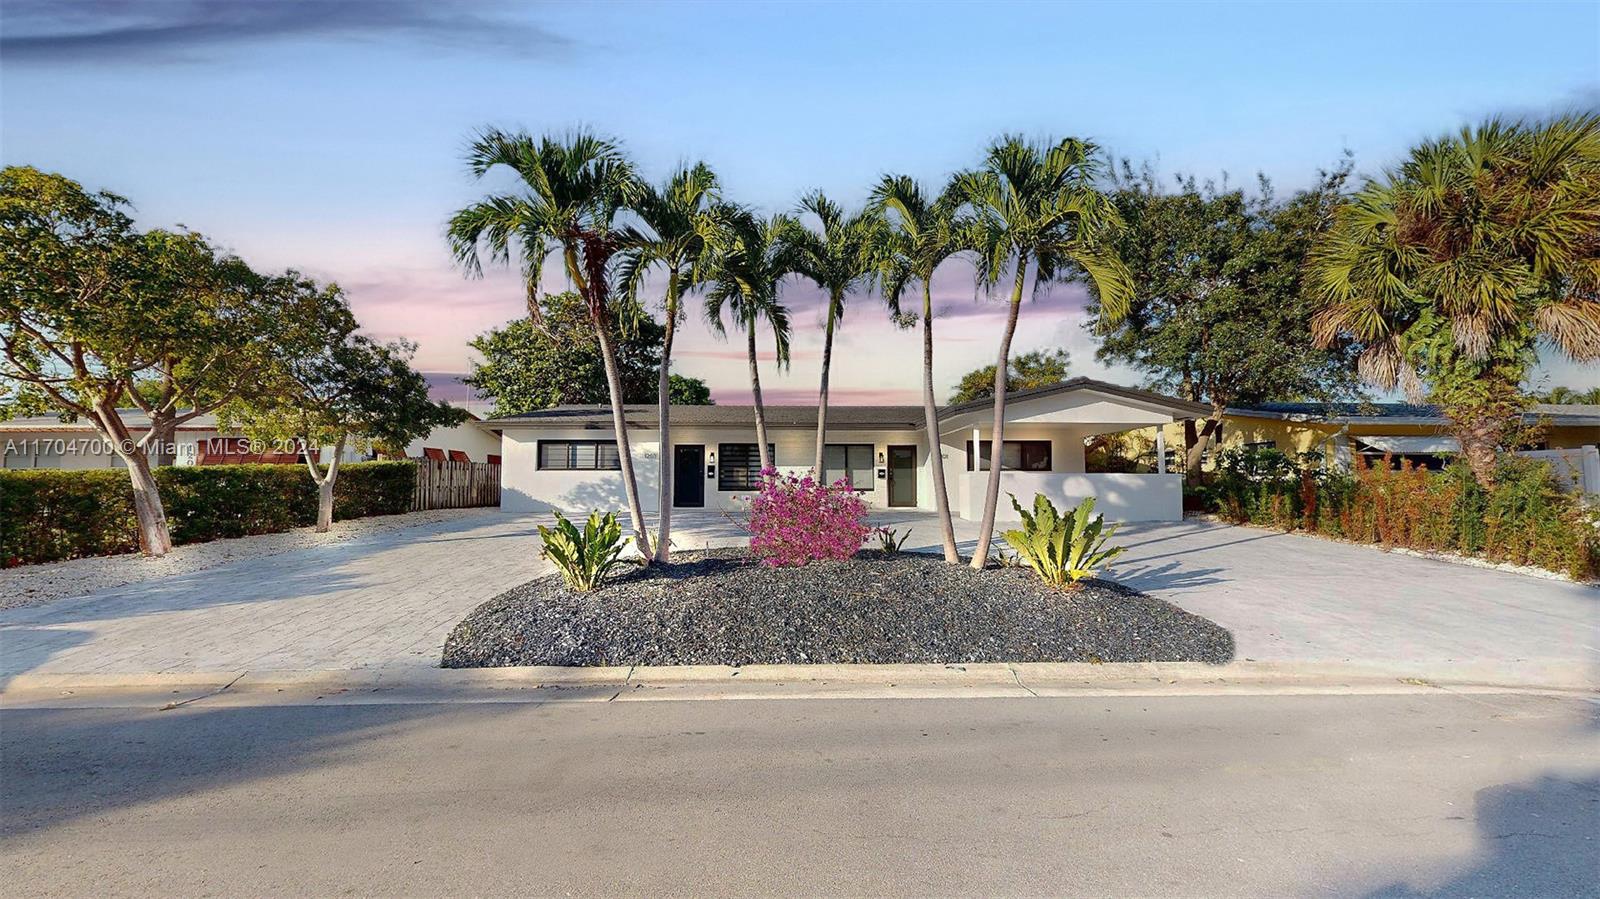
column 748, row 467
column 872, row 453
column 1024, row 446
column 541, row 461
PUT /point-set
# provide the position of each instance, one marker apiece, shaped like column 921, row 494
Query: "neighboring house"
column 44, row 441
column 566, row 457
column 470, row 441
column 1340, row 432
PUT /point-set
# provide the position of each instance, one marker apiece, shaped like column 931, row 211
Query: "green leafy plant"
column 584, row 557
column 889, row 539
column 1062, row 549
column 52, row 514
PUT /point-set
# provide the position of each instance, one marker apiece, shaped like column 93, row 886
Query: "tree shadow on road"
column 1539, row 838
column 63, row 765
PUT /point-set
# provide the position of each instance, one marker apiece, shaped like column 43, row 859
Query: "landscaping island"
column 727, row 608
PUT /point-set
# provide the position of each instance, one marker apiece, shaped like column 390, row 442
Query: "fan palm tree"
column 1451, row 270
column 919, row 233
column 837, row 259
column 679, row 215
column 749, row 258
column 572, row 190
column 1037, row 206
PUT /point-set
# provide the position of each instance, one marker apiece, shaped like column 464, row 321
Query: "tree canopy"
column 1563, row 395
column 1452, row 269
column 96, row 314
column 1040, row 368
column 1221, row 311
column 527, row 366
column 337, row 388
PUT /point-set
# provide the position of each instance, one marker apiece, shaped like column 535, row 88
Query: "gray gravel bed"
column 724, row 608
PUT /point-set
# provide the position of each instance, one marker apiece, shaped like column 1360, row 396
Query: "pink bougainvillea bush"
column 798, row 520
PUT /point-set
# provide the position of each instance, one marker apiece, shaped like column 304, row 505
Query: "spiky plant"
column 1062, row 549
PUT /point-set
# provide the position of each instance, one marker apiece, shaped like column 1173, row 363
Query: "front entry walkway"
column 391, row 599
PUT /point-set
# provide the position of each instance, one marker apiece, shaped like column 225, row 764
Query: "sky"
column 328, row 136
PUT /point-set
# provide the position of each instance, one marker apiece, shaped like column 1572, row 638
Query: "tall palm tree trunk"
column 930, row 412
column 755, row 390
column 991, row 497
column 664, row 461
column 822, row 394
column 619, row 424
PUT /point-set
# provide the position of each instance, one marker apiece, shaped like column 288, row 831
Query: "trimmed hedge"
column 47, row 515
column 1526, row 519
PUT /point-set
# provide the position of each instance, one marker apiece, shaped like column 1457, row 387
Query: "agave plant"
column 584, row 557
column 1062, row 549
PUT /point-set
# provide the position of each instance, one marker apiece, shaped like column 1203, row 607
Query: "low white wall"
column 1120, row 497
column 1577, row 467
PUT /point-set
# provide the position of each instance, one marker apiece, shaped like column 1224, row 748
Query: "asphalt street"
column 1399, row 795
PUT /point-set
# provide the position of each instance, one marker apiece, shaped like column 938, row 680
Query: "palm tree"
column 679, row 215
column 571, row 193
column 1451, row 270
column 1037, row 206
column 838, row 259
column 749, row 258
column 919, row 233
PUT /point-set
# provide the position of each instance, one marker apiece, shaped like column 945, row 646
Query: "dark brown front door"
column 902, row 476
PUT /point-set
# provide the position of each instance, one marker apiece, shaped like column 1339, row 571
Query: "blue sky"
column 328, row 137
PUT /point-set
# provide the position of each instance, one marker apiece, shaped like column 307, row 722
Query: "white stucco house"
column 566, row 458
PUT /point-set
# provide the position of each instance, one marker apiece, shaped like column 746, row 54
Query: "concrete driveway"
column 390, row 600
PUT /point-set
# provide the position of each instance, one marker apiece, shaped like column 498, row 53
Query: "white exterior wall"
column 1575, row 468
column 524, row 488
column 472, row 438
column 1120, row 497
column 1066, row 421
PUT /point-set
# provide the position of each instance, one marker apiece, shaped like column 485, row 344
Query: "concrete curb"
column 525, row 684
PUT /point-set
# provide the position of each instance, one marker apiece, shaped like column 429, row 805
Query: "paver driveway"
column 384, row 599
column 390, row 599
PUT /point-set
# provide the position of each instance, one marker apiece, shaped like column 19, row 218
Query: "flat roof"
column 839, row 416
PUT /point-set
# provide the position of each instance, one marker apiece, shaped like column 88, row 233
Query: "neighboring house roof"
column 1570, row 415
column 134, row 419
column 839, row 416
column 892, row 417
column 1180, row 408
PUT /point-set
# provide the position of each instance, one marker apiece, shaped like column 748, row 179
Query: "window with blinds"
column 1015, row 455
column 739, row 466
column 579, row 455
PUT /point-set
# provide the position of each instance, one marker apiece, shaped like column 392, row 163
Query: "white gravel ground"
column 31, row 584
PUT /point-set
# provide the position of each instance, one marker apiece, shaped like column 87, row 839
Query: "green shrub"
column 1526, row 519
column 47, row 515
column 584, row 557
column 1062, row 549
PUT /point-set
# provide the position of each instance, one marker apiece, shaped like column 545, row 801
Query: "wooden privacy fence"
column 455, row 485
